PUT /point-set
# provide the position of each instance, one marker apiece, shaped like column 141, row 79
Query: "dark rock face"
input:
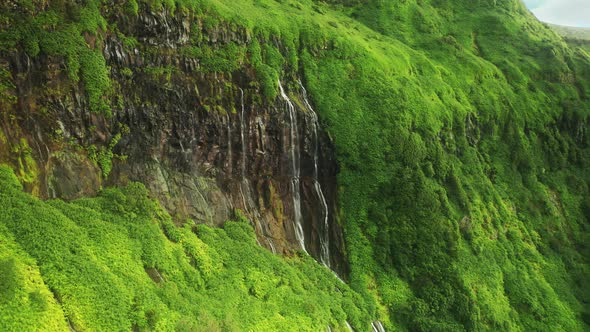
column 204, row 144
column 70, row 176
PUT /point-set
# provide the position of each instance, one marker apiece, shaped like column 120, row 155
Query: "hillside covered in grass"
column 117, row 262
column 462, row 135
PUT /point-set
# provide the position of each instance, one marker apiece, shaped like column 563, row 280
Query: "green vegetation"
column 103, row 156
column 461, row 131
column 27, row 304
column 228, row 58
column 61, row 31
column 117, row 262
column 455, row 150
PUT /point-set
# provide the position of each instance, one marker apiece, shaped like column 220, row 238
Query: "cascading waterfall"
column 325, row 233
column 295, row 171
column 229, row 147
column 218, row 84
column 242, row 139
column 377, row 326
column 244, row 185
column 349, row 327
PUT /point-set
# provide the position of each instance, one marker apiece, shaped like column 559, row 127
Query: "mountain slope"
column 117, row 262
column 460, row 131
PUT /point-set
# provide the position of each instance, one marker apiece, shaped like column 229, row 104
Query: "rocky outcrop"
column 204, row 143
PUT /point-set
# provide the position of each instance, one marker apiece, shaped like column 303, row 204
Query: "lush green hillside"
column 462, row 134
column 464, row 182
column 117, row 262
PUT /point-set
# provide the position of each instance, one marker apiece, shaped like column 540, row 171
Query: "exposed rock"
column 70, row 175
column 204, row 144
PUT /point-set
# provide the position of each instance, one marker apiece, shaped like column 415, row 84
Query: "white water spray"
column 325, row 234
column 229, row 147
column 242, row 139
column 294, row 156
column 349, row 327
column 378, row 326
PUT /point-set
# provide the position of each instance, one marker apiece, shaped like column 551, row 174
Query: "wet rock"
column 204, row 144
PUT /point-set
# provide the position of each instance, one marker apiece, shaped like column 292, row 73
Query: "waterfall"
column 218, row 84
column 325, row 233
column 349, row 327
column 294, row 156
column 229, row 147
column 244, row 184
column 377, row 326
column 244, row 180
column 271, row 245
column 243, row 140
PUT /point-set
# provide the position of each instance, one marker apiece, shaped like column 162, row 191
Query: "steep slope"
column 172, row 101
column 460, row 131
column 464, row 168
column 117, row 262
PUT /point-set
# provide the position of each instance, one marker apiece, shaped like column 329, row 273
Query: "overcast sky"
column 574, row 13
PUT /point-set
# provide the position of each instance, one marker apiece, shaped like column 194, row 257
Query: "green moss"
column 95, row 76
column 131, row 8
column 227, row 58
column 103, row 155
column 58, row 31
column 91, row 19
column 6, row 87
column 162, row 73
column 26, row 165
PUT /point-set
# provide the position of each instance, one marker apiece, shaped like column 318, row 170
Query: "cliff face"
column 460, row 131
column 204, row 143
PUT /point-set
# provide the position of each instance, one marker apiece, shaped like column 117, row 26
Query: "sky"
column 574, row 13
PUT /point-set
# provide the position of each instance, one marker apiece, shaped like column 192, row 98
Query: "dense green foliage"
column 461, row 169
column 62, row 31
column 461, row 130
column 117, row 262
